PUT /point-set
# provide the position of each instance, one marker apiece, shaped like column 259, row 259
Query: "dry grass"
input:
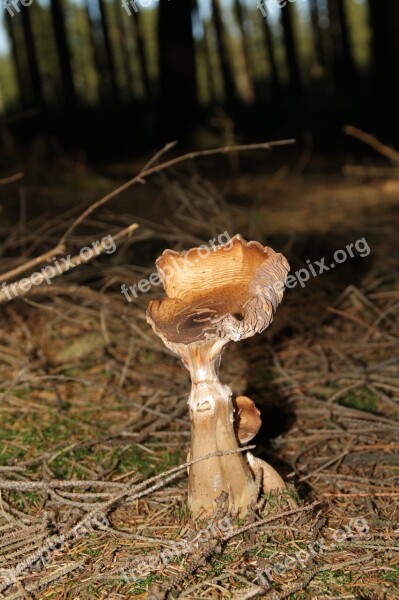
column 94, row 419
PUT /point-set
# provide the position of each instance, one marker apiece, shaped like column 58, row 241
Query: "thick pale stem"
column 212, row 430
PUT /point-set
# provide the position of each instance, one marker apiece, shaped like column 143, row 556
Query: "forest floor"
column 93, row 415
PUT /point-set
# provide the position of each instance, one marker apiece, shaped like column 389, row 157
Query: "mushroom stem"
column 212, row 430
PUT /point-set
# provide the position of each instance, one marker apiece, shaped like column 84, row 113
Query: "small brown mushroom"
column 246, row 419
column 216, row 295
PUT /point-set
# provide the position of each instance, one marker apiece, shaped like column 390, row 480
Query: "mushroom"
column 213, row 296
column 247, row 419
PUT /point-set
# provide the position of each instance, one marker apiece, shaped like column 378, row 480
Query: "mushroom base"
column 212, row 430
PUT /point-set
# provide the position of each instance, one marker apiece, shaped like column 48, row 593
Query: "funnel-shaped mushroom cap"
column 228, row 291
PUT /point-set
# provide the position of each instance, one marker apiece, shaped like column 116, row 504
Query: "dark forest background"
column 200, row 71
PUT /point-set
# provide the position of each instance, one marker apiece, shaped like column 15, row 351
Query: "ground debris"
column 94, row 422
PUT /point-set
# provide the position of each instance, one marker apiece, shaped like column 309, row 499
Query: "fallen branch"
column 367, row 171
column 11, row 179
column 131, row 491
column 287, row 513
column 71, row 263
column 149, row 170
column 359, row 494
column 373, row 142
column 57, row 251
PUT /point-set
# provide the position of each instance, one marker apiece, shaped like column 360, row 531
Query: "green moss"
column 26, row 501
column 181, row 512
column 140, row 586
column 222, row 562
column 361, row 399
column 147, row 357
column 392, row 575
column 61, row 467
column 132, row 458
column 22, row 392
column 11, row 454
column 109, row 374
column 92, row 552
column 169, row 459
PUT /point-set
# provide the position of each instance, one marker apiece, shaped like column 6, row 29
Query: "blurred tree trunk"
column 177, row 69
column 290, row 48
column 138, row 32
column 317, row 36
column 346, row 41
column 33, row 64
column 249, row 81
column 64, row 58
column 227, row 74
column 95, row 52
column 206, row 52
column 384, row 21
column 272, row 57
column 208, row 61
column 126, row 58
column 108, row 49
column 344, row 66
column 15, row 52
